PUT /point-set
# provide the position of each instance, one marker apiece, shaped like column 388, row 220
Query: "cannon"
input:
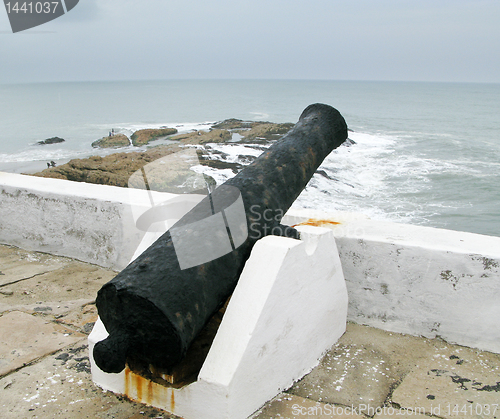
column 158, row 304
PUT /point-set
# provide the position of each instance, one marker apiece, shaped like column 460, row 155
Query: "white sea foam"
column 233, row 153
column 371, row 176
column 259, row 116
column 129, row 129
column 219, row 175
column 34, row 154
column 352, row 178
column 347, row 179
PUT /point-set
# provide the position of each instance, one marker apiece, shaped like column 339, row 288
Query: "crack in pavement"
column 24, row 279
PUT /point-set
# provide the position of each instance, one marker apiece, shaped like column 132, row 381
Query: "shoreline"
column 28, row 167
column 114, row 166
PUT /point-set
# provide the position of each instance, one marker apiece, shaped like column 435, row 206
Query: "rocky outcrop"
column 117, row 168
column 255, row 131
column 114, row 169
column 249, row 132
column 266, row 131
column 144, row 136
column 233, row 123
column 203, row 137
column 112, row 141
column 52, row 140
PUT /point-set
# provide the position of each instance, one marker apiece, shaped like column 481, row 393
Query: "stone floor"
column 47, row 310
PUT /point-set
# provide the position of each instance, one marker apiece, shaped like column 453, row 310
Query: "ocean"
column 424, row 153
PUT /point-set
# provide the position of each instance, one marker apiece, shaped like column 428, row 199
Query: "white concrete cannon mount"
column 288, row 309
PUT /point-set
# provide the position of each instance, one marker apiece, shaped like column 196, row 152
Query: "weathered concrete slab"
column 82, row 319
column 59, row 386
column 56, row 292
column 52, row 308
column 17, row 264
column 362, row 368
column 454, row 382
column 391, row 375
column 25, row 338
column 294, row 407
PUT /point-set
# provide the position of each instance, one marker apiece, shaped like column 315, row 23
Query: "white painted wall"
column 403, row 278
column 92, row 223
column 419, row 280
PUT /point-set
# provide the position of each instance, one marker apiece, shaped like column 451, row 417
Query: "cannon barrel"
column 156, row 306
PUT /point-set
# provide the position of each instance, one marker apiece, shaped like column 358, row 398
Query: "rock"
column 206, row 160
column 117, row 168
column 171, row 174
column 266, row 131
column 255, row 131
column 112, row 141
column 52, row 140
column 203, row 137
column 144, row 136
column 234, row 124
column 114, row 169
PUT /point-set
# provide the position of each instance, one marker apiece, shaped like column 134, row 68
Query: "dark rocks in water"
column 53, row 140
column 324, row 174
column 138, row 138
column 158, row 304
column 220, row 164
column 206, row 159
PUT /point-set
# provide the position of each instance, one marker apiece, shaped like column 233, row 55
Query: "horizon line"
column 245, row 79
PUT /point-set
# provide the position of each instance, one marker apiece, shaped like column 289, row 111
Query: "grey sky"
column 421, row 40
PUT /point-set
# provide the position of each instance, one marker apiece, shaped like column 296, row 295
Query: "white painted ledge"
column 288, row 309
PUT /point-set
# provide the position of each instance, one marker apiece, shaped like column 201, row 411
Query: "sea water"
column 424, row 153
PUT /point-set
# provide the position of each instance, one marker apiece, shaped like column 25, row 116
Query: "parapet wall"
column 401, row 278
column 419, row 280
column 60, row 217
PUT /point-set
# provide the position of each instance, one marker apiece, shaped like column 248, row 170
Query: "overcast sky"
column 417, row 40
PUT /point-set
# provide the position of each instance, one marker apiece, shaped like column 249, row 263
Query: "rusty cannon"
column 157, row 305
